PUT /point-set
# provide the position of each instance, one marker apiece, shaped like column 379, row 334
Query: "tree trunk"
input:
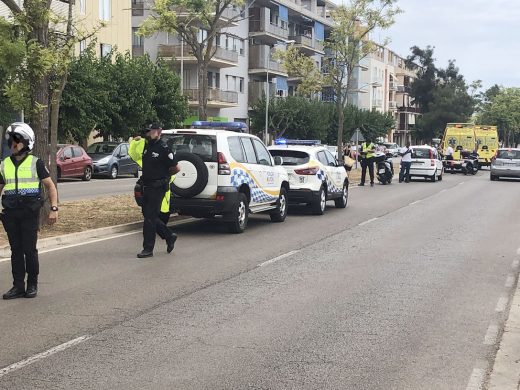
column 203, row 91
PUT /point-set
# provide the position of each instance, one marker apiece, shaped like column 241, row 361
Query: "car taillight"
column 431, row 154
column 307, row 171
column 432, row 163
column 223, row 166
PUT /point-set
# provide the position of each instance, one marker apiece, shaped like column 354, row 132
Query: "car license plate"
column 303, row 179
column 382, row 171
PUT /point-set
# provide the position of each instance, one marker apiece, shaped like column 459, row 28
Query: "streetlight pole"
column 182, row 65
column 266, row 105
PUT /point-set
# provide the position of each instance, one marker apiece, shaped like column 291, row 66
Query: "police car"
column 315, row 176
column 225, row 171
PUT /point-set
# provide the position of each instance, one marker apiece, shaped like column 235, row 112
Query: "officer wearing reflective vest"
column 21, row 179
column 367, row 161
column 135, row 152
column 159, row 164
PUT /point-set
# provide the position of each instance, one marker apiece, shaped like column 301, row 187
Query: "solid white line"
column 476, row 380
column 515, row 264
column 42, row 355
column 491, row 335
column 510, row 281
column 368, row 221
column 501, row 304
column 518, row 251
column 461, row 183
column 278, row 258
column 417, row 201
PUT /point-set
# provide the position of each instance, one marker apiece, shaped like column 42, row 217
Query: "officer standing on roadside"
column 367, row 161
column 159, row 164
column 21, row 177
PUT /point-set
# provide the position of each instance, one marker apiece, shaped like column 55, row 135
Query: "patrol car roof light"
column 240, row 127
column 309, row 142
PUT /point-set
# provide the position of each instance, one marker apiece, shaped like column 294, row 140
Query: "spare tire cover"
column 193, row 175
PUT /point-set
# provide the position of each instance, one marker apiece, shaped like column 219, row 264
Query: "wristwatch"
column 54, row 208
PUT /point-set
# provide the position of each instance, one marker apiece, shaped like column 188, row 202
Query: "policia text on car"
column 159, row 164
column 21, row 177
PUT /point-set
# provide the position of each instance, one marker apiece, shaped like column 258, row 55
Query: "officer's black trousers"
column 152, row 199
column 367, row 163
column 22, row 232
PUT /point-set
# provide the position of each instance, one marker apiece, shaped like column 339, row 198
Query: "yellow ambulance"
column 487, row 143
column 460, row 136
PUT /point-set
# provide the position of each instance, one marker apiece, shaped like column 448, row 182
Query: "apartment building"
column 88, row 14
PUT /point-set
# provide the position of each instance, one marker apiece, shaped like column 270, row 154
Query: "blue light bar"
column 308, row 142
column 232, row 126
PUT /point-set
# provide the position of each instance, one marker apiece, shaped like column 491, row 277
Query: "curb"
column 74, row 238
column 506, row 369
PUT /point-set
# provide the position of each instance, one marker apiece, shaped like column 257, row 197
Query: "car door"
column 337, row 173
column 254, row 172
column 67, row 165
column 125, row 163
column 327, row 171
column 269, row 175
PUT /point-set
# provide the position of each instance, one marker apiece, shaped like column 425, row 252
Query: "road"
column 404, row 289
column 75, row 189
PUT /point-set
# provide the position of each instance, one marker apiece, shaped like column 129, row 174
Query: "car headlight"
column 104, row 160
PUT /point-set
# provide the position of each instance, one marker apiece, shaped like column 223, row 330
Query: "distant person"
column 367, row 161
column 21, row 179
column 406, row 163
column 449, row 153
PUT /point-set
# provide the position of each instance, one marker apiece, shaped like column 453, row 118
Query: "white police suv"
column 228, row 173
column 315, row 176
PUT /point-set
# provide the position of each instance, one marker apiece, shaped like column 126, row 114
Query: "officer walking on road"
column 159, row 164
column 367, row 161
column 21, row 177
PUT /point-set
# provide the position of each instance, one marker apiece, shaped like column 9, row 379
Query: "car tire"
column 136, row 173
column 280, row 212
column 493, row 177
column 439, row 178
column 87, row 174
column 202, row 175
column 433, row 178
column 239, row 216
column 318, row 205
column 114, row 171
column 341, row 202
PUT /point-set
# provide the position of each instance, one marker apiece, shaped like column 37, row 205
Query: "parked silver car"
column 505, row 164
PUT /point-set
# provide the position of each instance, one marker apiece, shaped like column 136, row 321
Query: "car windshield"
column 100, row 148
column 291, row 157
column 421, row 153
column 204, row 146
column 509, row 154
column 390, row 146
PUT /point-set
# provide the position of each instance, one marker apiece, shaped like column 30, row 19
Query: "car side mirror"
column 278, row 160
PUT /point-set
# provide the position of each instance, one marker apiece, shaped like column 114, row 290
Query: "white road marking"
column 501, row 304
column 368, row 221
column 461, row 183
column 476, row 379
column 491, row 335
column 274, row 260
column 417, row 201
column 510, row 281
column 515, row 264
column 444, row 190
column 16, row 366
column 518, row 251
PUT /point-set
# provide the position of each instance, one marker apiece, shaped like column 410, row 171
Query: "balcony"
column 308, row 45
column 228, row 14
column 256, row 90
column 260, row 26
column 216, row 98
column 137, row 51
column 137, row 8
column 392, row 105
column 223, row 58
column 404, row 89
column 409, row 109
column 260, row 61
column 377, row 103
column 392, row 86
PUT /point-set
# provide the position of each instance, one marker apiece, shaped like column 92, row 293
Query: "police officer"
column 159, row 164
column 21, row 177
column 367, row 161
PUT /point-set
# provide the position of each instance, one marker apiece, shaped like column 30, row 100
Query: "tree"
column 198, row 26
column 503, row 110
column 349, row 43
column 426, row 80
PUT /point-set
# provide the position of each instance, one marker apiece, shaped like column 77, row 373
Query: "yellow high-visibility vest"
column 22, row 180
column 368, row 147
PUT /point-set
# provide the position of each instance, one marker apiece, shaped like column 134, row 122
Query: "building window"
column 105, row 49
column 82, row 7
column 105, row 7
column 241, row 85
column 217, row 80
column 210, row 79
column 137, row 40
column 82, row 46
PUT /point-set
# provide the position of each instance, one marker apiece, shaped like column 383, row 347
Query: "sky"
column 483, row 36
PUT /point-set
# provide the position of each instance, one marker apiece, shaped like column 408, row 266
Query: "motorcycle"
column 385, row 167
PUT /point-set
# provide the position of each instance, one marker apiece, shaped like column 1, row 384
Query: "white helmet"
column 24, row 131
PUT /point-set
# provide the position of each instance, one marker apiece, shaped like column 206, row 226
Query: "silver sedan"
column 505, row 164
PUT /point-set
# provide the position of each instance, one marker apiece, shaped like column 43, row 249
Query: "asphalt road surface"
column 75, row 189
column 401, row 290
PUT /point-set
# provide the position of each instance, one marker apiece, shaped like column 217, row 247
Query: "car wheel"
column 433, row 178
column 113, row 172
column 439, row 177
column 87, row 174
column 239, row 215
column 281, row 207
column 493, row 177
column 136, row 173
column 341, row 203
column 318, row 205
column 193, row 177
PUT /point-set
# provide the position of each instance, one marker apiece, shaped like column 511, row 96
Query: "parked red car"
column 73, row 161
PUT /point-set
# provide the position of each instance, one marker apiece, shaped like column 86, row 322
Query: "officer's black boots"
column 145, row 253
column 13, row 293
column 32, row 291
column 170, row 243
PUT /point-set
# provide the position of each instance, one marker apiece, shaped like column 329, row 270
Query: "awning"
column 281, row 83
column 319, row 31
column 284, row 13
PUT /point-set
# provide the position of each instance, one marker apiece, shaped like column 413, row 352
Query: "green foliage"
column 118, row 97
column 502, row 109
